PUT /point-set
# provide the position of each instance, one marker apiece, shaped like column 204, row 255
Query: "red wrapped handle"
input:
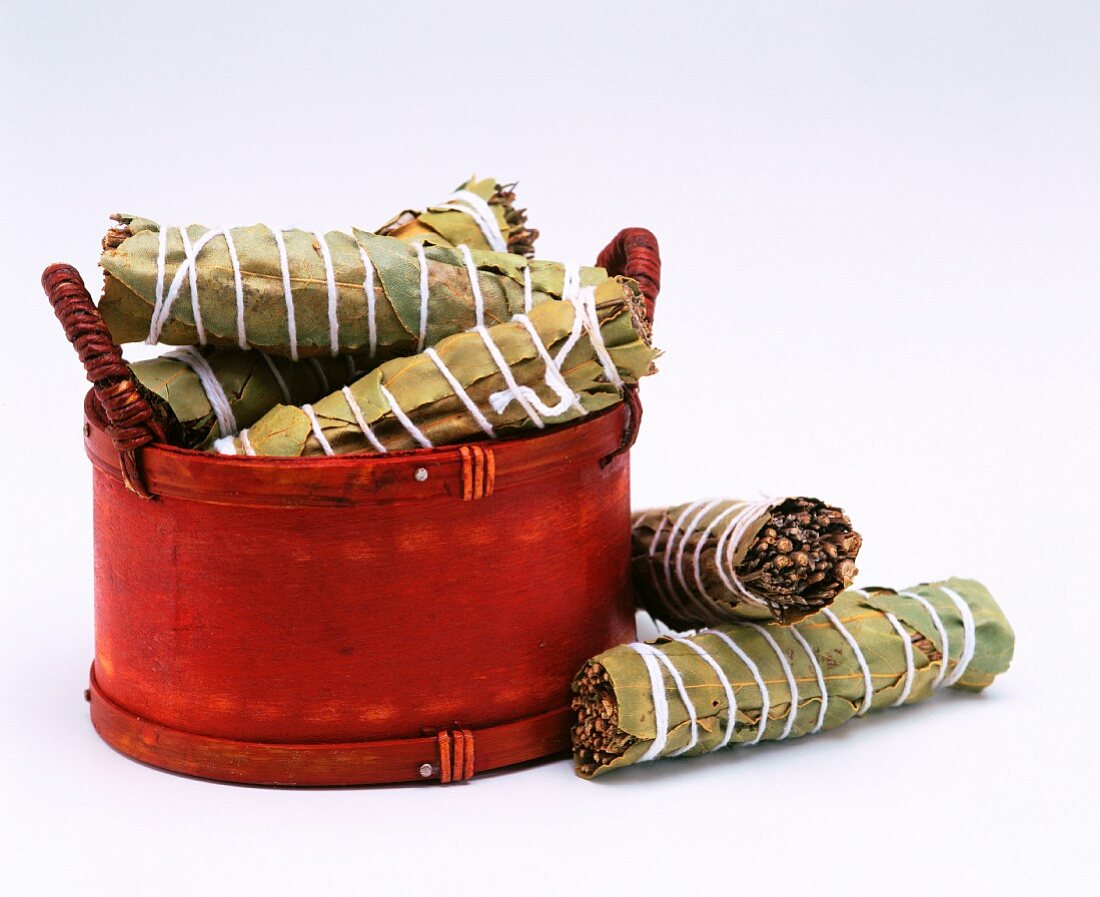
column 130, row 419
column 633, row 253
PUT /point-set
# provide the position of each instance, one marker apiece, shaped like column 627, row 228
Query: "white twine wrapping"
column 185, row 269
column 471, row 406
column 868, row 687
column 482, row 214
column 819, row 675
column 333, row 293
column 910, row 668
column 288, row 292
column 238, row 285
column 278, row 378
column 368, row 292
column 215, row 392
column 937, row 621
column 357, row 412
column 969, row 635
column 316, row 425
column 754, row 670
column 723, row 679
column 412, row 429
column 425, row 296
column 792, row 713
column 660, row 700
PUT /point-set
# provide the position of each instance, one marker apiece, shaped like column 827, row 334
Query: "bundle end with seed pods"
column 440, row 223
column 723, row 560
column 741, row 683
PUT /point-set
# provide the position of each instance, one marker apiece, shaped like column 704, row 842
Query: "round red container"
column 315, row 622
column 348, row 620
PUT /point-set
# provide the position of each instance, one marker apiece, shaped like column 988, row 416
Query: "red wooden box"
column 348, row 620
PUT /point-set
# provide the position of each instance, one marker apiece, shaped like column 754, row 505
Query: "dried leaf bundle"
column 723, row 560
column 741, row 683
column 560, row 362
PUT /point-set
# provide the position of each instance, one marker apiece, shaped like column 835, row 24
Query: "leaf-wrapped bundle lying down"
column 727, row 559
column 560, row 362
column 202, row 394
column 482, row 214
column 300, row 293
column 740, row 683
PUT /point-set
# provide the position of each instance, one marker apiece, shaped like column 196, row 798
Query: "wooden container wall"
column 348, row 620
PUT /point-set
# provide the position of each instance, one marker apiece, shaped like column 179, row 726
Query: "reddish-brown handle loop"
column 633, row 253
column 131, row 423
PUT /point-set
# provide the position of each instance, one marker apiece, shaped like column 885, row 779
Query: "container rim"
column 468, row 471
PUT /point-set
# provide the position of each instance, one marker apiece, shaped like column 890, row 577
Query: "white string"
column 478, row 209
column 471, row 405
column 190, row 255
column 653, row 545
column 246, row 443
column 527, row 298
column 333, row 293
column 731, row 538
column 700, row 597
column 288, row 292
column 238, row 286
column 684, row 537
column 969, row 641
column 215, row 392
column 412, row 429
column 520, row 394
column 910, row 669
column 278, row 378
column 368, row 291
column 941, row 629
column 588, row 303
column 185, row 269
column 158, row 292
column 660, row 700
column 316, row 425
column 868, row 688
column 667, row 564
column 224, row 445
column 422, row 263
column 574, row 337
column 723, row 679
column 475, row 284
column 685, row 699
column 819, row 675
column 792, row 713
column 362, row 421
column 553, row 377
column 320, row 371
column 765, row 698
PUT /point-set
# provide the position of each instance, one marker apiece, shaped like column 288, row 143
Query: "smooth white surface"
column 879, row 227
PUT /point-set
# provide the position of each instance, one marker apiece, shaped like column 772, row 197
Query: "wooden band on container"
column 456, row 755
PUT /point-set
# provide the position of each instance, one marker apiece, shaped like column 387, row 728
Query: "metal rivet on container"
column 426, row 769
column 421, row 475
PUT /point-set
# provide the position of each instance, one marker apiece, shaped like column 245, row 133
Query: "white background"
column 879, row 228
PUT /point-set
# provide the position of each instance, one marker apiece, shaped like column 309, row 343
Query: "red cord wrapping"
column 130, row 417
